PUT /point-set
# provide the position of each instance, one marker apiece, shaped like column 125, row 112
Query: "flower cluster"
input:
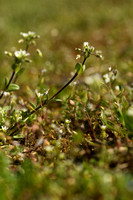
column 21, row 54
column 111, row 76
column 88, row 50
column 28, row 36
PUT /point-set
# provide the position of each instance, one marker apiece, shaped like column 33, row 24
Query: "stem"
column 26, row 49
column 44, row 102
column 27, row 46
column 11, row 78
column 58, row 92
column 47, row 100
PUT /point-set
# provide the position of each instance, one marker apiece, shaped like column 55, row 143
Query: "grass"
column 80, row 145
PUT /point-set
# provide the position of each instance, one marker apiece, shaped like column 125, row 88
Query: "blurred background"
column 63, row 26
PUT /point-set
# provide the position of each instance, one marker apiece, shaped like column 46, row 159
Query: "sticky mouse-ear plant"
column 19, row 57
column 85, row 53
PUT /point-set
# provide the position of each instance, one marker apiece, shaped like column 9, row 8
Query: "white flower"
column 24, row 34
column 30, row 35
column 6, row 94
column 103, row 127
column 109, row 69
column 106, row 78
column 4, row 128
column 117, row 88
column 86, row 44
column 39, row 94
column 21, row 54
column 68, row 121
column 91, row 48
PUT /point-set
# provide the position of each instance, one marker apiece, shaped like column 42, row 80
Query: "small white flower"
column 86, row 44
column 21, row 54
column 106, row 78
column 6, row 94
column 117, row 88
column 39, row 94
column 60, row 131
column 109, row 69
column 68, row 121
column 4, row 128
column 30, row 35
column 24, row 34
column 91, row 48
column 74, row 83
column 103, row 127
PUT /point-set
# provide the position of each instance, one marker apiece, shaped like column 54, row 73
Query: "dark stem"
column 11, row 78
column 68, row 83
column 27, row 47
column 47, row 100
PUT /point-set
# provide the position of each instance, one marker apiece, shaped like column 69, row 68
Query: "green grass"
column 80, row 145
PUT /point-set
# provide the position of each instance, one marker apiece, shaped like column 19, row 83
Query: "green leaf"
column 12, row 87
column 79, row 68
column 16, row 67
column 6, row 82
column 20, row 72
column 33, row 106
